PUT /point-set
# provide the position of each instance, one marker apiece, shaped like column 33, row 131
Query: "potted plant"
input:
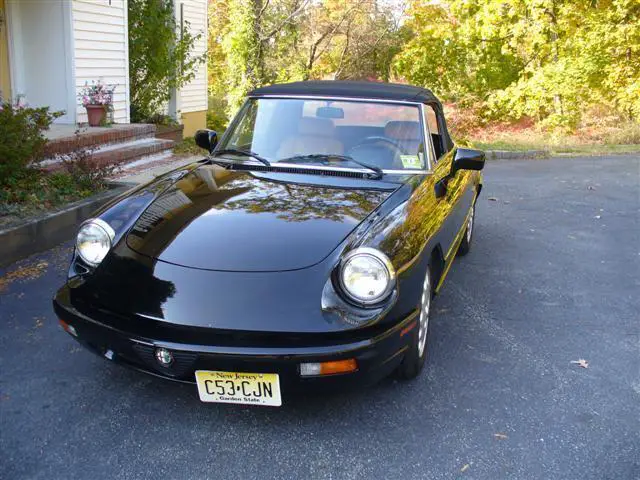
column 97, row 98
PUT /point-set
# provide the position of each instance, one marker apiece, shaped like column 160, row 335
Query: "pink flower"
column 97, row 94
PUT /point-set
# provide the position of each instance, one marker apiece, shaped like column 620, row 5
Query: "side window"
column 434, row 128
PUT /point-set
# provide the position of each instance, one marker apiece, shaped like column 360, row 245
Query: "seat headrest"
column 319, row 127
column 402, row 130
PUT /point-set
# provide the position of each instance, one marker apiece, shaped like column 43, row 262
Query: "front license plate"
column 236, row 387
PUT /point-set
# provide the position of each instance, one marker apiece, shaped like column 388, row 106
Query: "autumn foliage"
column 550, row 62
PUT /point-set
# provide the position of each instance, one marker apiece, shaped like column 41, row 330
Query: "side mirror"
column 467, row 159
column 207, row 139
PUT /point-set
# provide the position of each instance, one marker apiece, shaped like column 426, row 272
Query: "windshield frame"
column 429, row 157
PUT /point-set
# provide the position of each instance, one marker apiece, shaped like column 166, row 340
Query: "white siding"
column 193, row 96
column 100, row 38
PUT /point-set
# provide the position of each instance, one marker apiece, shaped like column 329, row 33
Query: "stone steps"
column 116, row 145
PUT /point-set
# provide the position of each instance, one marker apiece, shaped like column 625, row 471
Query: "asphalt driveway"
column 553, row 277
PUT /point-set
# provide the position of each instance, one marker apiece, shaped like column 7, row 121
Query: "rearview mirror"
column 207, row 139
column 329, row 112
column 467, row 159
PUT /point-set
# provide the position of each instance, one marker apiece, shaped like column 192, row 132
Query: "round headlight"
column 94, row 241
column 366, row 275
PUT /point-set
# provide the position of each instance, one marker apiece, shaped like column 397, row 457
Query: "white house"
column 50, row 48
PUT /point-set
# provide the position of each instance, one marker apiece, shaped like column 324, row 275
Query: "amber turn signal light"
column 68, row 328
column 328, row 368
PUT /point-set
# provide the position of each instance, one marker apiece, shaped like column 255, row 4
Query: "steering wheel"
column 388, row 141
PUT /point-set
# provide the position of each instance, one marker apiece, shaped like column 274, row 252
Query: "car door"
column 459, row 194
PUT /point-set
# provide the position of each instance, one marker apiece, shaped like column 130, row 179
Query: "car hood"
column 216, row 219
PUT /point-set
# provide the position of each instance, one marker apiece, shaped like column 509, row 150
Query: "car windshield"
column 352, row 134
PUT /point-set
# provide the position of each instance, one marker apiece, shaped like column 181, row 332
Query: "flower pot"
column 96, row 114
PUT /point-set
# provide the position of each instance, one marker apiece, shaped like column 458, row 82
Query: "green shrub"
column 32, row 190
column 161, row 119
column 22, row 139
column 85, row 177
column 216, row 114
column 160, row 56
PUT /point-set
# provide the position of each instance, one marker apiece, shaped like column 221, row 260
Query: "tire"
column 465, row 245
column 416, row 354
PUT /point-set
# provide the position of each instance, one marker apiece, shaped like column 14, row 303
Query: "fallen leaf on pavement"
column 581, row 362
column 500, row 436
column 465, row 468
column 29, row 272
column 492, row 199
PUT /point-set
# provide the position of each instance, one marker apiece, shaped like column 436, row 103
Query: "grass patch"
column 599, row 133
column 601, row 141
column 597, row 149
column 567, row 148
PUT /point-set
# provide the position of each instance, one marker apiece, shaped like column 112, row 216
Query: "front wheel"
column 465, row 245
column 416, row 354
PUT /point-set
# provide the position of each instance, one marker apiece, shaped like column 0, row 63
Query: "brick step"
column 97, row 137
column 120, row 153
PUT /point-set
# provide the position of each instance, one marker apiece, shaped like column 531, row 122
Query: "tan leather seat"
column 315, row 135
column 407, row 134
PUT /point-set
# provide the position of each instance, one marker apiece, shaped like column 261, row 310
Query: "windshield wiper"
column 237, row 151
column 326, row 156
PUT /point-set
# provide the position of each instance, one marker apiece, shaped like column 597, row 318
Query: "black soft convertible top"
column 337, row 88
column 374, row 90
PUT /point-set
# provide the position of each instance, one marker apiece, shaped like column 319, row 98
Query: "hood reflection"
column 128, row 285
column 212, row 210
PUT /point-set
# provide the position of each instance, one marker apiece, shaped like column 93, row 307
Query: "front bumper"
column 376, row 357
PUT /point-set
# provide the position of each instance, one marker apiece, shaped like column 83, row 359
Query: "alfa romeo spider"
column 304, row 251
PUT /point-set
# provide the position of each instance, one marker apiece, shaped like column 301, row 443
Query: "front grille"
column 181, row 366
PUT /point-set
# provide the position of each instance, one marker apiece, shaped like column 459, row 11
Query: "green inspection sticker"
column 411, row 161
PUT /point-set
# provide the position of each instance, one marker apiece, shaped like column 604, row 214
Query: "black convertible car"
column 303, row 251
